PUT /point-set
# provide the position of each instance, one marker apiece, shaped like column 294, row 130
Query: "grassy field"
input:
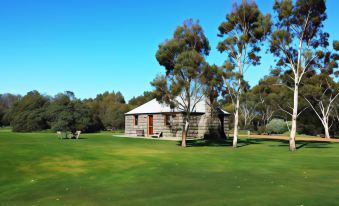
column 39, row 169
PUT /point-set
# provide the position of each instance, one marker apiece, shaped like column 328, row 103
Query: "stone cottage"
column 154, row 117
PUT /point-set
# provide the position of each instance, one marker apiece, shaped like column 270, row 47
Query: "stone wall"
column 130, row 128
column 172, row 130
column 200, row 125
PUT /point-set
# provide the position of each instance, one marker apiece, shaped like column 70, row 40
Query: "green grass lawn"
column 39, row 169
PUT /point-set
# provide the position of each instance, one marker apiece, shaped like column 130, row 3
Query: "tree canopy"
column 182, row 56
column 243, row 32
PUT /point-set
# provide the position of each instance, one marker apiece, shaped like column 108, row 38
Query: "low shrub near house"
column 276, row 126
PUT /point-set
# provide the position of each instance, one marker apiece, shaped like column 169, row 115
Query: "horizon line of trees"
column 64, row 112
column 260, row 104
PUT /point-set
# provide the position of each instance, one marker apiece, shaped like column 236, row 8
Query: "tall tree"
column 295, row 42
column 68, row 114
column 212, row 83
column 269, row 94
column 6, row 102
column 336, row 110
column 109, row 107
column 249, row 107
column 243, row 31
column 139, row 100
column 321, row 92
column 183, row 58
column 28, row 114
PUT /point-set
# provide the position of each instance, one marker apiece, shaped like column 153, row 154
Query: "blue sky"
column 92, row 46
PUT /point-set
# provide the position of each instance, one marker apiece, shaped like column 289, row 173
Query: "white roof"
column 223, row 111
column 153, row 107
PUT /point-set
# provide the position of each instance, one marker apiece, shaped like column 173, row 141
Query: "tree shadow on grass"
column 68, row 138
column 251, row 141
column 207, row 143
column 300, row 144
column 308, row 144
column 219, row 142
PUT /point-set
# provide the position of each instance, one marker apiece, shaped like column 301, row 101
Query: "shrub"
column 261, row 129
column 276, row 126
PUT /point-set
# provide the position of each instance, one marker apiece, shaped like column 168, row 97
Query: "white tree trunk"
column 245, row 120
column 324, row 114
column 327, row 130
column 294, row 118
column 184, row 134
column 236, row 121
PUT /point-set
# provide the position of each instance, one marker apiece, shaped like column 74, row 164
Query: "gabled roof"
column 222, row 111
column 154, row 107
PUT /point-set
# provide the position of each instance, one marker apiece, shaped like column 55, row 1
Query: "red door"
column 150, row 124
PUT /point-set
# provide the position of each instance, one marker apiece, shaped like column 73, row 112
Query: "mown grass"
column 40, row 169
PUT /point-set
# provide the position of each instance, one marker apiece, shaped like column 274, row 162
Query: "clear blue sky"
column 92, row 46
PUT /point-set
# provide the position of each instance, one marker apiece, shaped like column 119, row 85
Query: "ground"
column 99, row 169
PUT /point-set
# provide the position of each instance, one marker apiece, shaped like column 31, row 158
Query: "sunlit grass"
column 99, row 169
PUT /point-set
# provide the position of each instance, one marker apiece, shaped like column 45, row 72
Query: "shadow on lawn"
column 220, row 142
column 68, row 138
column 250, row 141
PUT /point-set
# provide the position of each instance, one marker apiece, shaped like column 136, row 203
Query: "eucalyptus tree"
column 243, row 32
column 321, row 92
column 182, row 56
column 269, row 94
column 336, row 110
column 295, row 42
column 249, row 107
column 212, row 81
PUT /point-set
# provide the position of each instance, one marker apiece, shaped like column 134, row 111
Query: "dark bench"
column 140, row 132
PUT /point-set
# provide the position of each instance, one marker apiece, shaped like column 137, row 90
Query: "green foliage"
column 280, row 37
column 245, row 27
column 109, row 109
column 36, row 112
column 243, row 33
column 336, row 45
column 183, row 59
column 2, row 113
column 142, row 99
column 6, row 102
column 29, row 120
column 212, row 82
column 320, row 91
column 276, row 126
column 262, row 130
column 28, row 113
column 272, row 96
column 66, row 113
column 299, row 22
